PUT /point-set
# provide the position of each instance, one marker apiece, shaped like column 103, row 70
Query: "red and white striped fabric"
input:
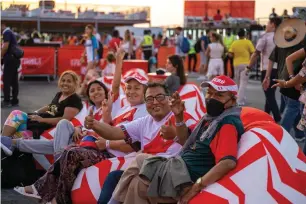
column 88, row 185
column 45, row 161
column 271, row 168
column 194, row 100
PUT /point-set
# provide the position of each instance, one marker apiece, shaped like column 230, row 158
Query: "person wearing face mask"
column 208, row 153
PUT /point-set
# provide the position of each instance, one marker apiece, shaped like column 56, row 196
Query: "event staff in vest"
column 208, row 154
column 147, row 46
column 228, row 40
column 10, row 70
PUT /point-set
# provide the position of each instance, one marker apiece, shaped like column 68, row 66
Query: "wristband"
column 107, row 143
column 291, row 76
column 180, row 124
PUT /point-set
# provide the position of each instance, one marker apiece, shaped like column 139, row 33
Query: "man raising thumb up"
column 89, row 120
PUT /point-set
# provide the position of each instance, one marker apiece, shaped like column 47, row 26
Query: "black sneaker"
column 15, row 102
column 5, row 104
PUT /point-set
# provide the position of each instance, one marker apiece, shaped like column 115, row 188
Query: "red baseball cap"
column 222, row 83
column 137, row 74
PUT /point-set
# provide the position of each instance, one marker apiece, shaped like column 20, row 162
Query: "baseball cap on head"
column 137, row 74
column 222, row 83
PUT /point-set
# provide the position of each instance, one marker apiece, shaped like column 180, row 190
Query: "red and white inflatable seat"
column 271, row 169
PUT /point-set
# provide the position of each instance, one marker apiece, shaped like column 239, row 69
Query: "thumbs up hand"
column 168, row 131
column 89, row 120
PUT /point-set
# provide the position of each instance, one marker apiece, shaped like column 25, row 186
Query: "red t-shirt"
column 112, row 44
column 218, row 17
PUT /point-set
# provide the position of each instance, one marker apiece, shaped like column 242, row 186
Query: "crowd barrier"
column 50, row 61
column 39, row 61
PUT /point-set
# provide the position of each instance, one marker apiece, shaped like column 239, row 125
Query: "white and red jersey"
column 147, row 131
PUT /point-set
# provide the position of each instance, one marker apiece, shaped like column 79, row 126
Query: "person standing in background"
column 178, row 41
column 264, row 47
column 10, row 70
column 273, row 14
column 228, row 40
column 114, row 42
column 192, row 55
column 203, row 57
column 127, row 45
column 241, row 51
column 147, row 46
column 289, row 37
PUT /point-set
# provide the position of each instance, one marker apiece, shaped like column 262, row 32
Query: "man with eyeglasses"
column 208, row 154
column 156, row 132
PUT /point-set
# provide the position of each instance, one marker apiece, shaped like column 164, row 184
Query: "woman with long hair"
column 215, row 52
column 127, row 45
column 65, row 105
column 175, row 66
column 91, row 48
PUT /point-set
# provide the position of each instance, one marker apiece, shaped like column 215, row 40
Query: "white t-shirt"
column 147, row 131
column 109, row 70
column 216, row 50
column 266, row 45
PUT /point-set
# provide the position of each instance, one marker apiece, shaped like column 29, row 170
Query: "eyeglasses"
column 159, row 98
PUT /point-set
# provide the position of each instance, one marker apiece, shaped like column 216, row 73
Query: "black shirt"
column 279, row 56
column 56, row 108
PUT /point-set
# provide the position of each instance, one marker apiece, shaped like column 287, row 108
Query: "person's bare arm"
column 4, row 48
column 218, row 171
column 291, row 58
column 69, row 114
column 118, row 71
column 121, row 146
column 254, row 58
column 295, row 81
column 108, row 132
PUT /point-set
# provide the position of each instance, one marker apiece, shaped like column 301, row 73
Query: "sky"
column 171, row 12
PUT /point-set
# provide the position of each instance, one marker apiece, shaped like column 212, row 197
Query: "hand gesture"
column 78, row 134
column 36, row 118
column 280, row 83
column 89, row 120
column 193, row 191
column 168, row 132
column 101, row 143
column 176, row 104
column 107, row 104
column 266, row 84
column 120, row 52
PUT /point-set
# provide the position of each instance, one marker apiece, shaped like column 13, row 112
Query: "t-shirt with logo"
column 201, row 156
column 147, row 131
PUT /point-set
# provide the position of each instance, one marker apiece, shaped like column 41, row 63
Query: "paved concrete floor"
column 34, row 94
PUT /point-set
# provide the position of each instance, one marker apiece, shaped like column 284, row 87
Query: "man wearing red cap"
column 208, row 153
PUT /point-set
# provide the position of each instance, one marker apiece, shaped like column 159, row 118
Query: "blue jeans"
column 292, row 116
column 109, row 186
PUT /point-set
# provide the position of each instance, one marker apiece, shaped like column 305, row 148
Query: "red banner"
column 69, row 59
column 38, row 61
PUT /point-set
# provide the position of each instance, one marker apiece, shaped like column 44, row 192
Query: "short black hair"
column 101, row 84
column 241, row 32
column 116, row 34
column 154, row 84
column 179, row 28
column 276, row 21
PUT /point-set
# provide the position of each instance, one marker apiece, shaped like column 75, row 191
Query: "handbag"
column 17, row 52
column 36, row 127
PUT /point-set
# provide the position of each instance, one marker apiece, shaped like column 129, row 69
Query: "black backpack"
column 197, row 46
column 100, row 50
column 18, row 170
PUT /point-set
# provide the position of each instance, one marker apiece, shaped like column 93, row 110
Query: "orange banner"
column 38, row 61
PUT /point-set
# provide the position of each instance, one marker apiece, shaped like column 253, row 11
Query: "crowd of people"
column 151, row 117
